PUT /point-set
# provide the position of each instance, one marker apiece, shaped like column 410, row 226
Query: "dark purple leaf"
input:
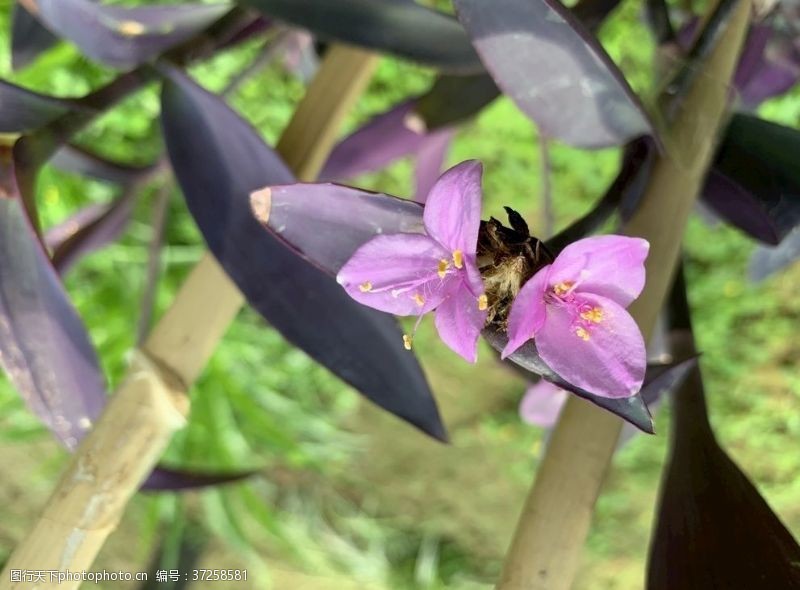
column 44, row 347
column 739, row 207
column 554, row 70
column 166, row 479
column 219, row 160
column 126, row 37
column 90, row 229
column 28, row 38
column 454, row 99
column 631, row 409
column 21, row 109
column 755, row 181
column 772, row 72
column 73, row 158
column 752, row 57
column 713, row 528
column 660, row 380
column 326, row 223
column 767, row 261
column 403, row 28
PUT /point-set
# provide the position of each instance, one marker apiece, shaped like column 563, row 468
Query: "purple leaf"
column 755, row 181
column 713, row 528
column 44, row 347
column 555, row 71
column 90, row 229
column 453, row 99
column 28, row 38
column 327, row 223
column 387, row 137
column 126, row 37
column 21, row 109
column 403, row 28
column 382, row 140
column 73, row 158
column 632, row 409
column 739, row 207
column 168, row 479
column 219, row 160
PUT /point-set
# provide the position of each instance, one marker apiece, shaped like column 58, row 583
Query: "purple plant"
column 554, row 308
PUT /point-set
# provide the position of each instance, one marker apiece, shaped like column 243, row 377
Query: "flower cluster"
column 573, row 309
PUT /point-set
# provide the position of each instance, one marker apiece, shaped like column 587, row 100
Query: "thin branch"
column 269, row 51
column 154, row 250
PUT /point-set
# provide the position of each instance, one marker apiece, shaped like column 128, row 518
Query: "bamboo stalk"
column 128, row 438
column 555, row 519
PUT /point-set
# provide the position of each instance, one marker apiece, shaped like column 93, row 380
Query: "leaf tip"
column 261, row 203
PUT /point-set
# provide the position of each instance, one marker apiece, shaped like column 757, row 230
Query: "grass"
column 346, row 492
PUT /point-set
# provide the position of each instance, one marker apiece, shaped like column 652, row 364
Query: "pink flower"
column 542, row 404
column 412, row 274
column 574, row 309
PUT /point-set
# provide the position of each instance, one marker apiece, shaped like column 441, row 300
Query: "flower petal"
column 611, row 362
column 398, row 274
column 610, row 266
column 528, row 311
column 472, row 277
column 542, row 404
column 459, row 323
column 453, row 208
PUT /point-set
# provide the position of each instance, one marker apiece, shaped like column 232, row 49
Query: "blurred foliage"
column 261, row 404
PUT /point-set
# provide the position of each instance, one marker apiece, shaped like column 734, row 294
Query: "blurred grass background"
column 347, row 496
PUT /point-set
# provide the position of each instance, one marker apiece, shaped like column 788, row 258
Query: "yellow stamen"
column 406, row 341
column 594, row 315
column 419, row 299
column 582, row 333
column 443, row 264
column 365, row 287
column 563, row 288
column 483, row 302
column 458, row 259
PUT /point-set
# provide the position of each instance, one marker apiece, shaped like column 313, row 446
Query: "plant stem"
column 545, row 551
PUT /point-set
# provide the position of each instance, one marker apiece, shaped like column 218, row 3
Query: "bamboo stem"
column 128, row 438
column 555, row 519
column 106, row 470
